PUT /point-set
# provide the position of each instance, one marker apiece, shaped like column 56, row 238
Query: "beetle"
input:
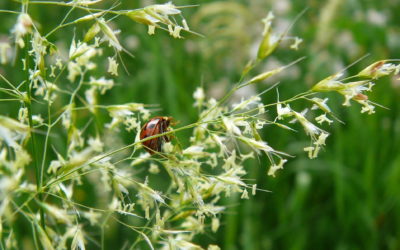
column 156, row 125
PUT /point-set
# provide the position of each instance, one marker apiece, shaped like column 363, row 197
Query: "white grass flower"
column 231, row 126
column 185, row 25
column 272, row 170
column 151, row 29
column 213, row 247
column 74, row 70
column 154, row 13
column 37, row 119
column 246, row 103
column 168, row 147
column 245, row 194
column 12, row 131
column 179, row 243
column 52, row 71
column 119, row 185
column 140, row 159
column 266, row 75
column 321, row 104
column 77, row 50
column 4, row 52
column 199, row 97
column 154, row 169
column 254, row 189
column 367, row 107
column 109, row 34
column 321, row 139
column 283, row 111
column 267, row 22
column 145, row 192
column 318, row 143
column 310, row 151
column 59, row 214
column 322, row 118
column 22, row 158
column 309, row 127
column 59, row 63
column 78, row 241
column 92, row 32
column 141, row 16
column 77, row 159
column 261, row 109
column 112, row 66
column 170, row 29
column 44, row 239
column 177, row 31
column 67, row 116
column 75, row 138
column 164, row 9
column 67, row 190
column 55, row 165
column 8, row 184
column 354, row 90
column 270, row 41
column 195, row 151
column 102, row 84
column 23, row 115
column 379, row 69
column 230, row 162
column 131, row 123
column 96, row 144
column 233, row 177
column 210, row 209
column 296, row 43
column 93, row 217
column 220, row 142
column 21, row 28
column 260, row 145
column 157, row 14
column 330, row 83
column 215, row 224
column 83, row 3
column 91, row 98
column 193, row 225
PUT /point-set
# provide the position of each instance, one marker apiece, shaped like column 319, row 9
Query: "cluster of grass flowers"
column 40, row 182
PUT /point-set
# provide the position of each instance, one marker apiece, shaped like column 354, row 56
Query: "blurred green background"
column 347, row 198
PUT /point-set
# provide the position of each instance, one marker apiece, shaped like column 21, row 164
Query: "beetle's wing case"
column 157, row 125
column 151, row 128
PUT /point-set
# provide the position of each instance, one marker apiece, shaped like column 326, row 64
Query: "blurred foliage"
column 348, row 198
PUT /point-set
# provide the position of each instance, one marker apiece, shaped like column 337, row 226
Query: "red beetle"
column 156, row 125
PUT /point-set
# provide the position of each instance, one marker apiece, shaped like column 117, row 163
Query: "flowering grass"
column 69, row 176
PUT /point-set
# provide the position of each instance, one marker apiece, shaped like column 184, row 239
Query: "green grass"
column 347, row 198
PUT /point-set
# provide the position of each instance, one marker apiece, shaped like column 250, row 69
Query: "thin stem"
column 32, row 134
column 10, row 12
column 11, row 85
column 9, row 100
column 62, row 24
column 77, row 6
column 46, row 142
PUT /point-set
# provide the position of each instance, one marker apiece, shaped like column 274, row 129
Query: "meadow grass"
column 346, row 198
